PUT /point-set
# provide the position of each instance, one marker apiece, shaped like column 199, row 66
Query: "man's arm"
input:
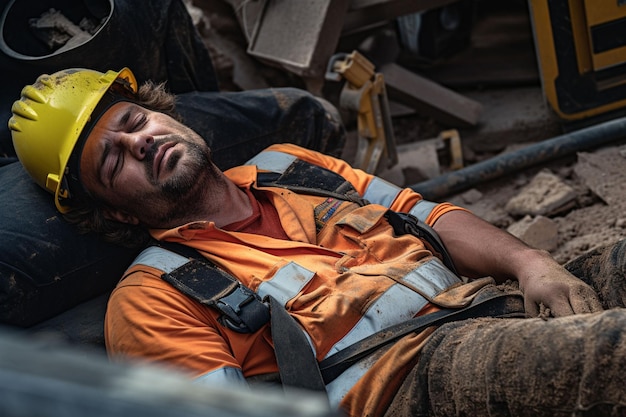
column 480, row 249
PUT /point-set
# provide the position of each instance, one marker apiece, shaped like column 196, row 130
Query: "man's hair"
column 88, row 213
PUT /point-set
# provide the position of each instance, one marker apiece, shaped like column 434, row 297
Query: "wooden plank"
column 363, row 13
column 430, row 99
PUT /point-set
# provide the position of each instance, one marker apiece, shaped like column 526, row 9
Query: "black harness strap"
column 404, row 223
column 305, row 178
column 297, row 364
column 242, row 309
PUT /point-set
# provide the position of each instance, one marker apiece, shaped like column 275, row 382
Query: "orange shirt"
column 347, row 272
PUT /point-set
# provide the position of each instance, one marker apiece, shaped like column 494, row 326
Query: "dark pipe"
column 457, row 181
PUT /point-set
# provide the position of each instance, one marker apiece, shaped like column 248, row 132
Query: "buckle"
column 243, row 311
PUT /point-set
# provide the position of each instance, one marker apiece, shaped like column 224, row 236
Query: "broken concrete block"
column 471, row 196
column 417, row 162
column 539, row 232
column 604, row 173
column 545, row 194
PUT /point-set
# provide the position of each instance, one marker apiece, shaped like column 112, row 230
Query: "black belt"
column 500, row 305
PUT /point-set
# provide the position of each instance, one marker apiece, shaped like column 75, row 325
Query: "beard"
column 193, row 174
column 188, row 171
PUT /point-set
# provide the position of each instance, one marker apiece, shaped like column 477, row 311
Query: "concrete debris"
column 471, row 196
column 546, row 194
column 59, row 33
column 603, row 172
column 539, row 232
column 417, row 161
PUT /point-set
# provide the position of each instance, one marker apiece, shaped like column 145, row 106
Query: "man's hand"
column 550, row 290
column 480, row 249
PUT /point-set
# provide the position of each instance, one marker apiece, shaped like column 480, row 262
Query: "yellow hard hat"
column 53, row 118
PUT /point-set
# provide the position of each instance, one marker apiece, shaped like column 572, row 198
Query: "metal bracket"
column 365, row 93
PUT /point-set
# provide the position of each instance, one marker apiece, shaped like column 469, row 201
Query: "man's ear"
column 120, row 216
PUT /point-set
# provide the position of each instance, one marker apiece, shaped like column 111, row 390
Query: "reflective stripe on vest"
column 160, row 258
column 431, row 278
column 383, row 192
column 400, row 303
column 227, row 376
column 378, row 191
column 286, row 283
column 272, row 161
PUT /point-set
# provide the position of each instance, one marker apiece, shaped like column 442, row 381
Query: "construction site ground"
column 567, row 205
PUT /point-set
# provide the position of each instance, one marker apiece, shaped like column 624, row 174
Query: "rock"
column 545, row 194
column 471, row 196
column 416, row 162
column 604, row 172
column 539, row 232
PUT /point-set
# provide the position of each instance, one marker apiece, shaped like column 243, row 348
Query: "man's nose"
column 138, row 144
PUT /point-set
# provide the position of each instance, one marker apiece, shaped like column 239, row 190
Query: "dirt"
column 587, row 223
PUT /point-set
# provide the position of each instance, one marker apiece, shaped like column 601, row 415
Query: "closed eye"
column 132, row 120
column 139, row 122
column 113, row 161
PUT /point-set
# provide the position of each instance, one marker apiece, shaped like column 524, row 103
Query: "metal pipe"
column 559, row 146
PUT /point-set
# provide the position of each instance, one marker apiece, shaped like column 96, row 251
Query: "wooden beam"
column 363, row 13
column 429, row 98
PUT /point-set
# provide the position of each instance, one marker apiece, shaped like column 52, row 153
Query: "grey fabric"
column 570, row 366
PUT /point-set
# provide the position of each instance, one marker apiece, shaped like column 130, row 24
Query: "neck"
column 233, row 206
column 222, row 201
column 216, row 199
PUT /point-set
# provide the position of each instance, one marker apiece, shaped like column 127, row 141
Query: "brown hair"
column 88, row 214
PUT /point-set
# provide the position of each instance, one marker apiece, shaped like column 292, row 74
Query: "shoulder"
column 358, row 178
column 304, row 154
column 142, row 295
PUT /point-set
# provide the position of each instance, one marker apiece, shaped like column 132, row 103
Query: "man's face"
column 144, row 163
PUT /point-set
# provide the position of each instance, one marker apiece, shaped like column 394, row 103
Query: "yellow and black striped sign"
column 581, row 49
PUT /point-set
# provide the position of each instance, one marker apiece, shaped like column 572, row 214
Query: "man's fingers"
column 581, row 301
column 560, row 308
column 585, row 300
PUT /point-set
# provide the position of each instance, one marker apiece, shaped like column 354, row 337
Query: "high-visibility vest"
column 243, row 310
